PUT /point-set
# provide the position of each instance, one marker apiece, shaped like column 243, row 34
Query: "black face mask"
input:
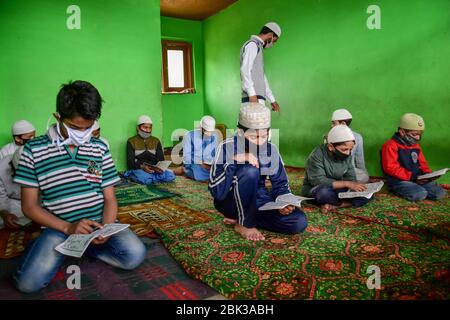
column 409, row 140
column 339, row 155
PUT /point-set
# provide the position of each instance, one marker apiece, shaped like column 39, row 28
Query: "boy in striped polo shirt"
column 67, row 179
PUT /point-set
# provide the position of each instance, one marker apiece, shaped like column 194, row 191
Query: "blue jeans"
column 41, row 261
column 327, row 195
column 196, row 172
column 142, row 177
column 240, row 204
column 415, row 192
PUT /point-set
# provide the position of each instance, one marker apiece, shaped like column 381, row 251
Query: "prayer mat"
column 163, row 214
column 158, row 278
column 191, row 193
column 427, row 217
column 137, row 193
column 331, row 260
column 14, row 242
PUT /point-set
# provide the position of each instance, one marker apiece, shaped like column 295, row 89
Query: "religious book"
column 22, row 221
column 161, row 165
column 371, row 188
column 76, row 244
column 434, row 174
column 283, row 201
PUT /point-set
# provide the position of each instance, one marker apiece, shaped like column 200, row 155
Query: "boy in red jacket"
column 403, row 161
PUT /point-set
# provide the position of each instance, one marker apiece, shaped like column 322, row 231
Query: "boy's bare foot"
column 345, row 204
column 325, row 208
column 179, row 171
column 229, row 221
column 249, row 233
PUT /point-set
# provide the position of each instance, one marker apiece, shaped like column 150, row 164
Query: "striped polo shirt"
column 71, row 183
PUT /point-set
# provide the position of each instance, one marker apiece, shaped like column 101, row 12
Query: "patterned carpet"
column 163, row 214
column 158, row 278
column 132, row 193
column 14, row 242
column 407, row 241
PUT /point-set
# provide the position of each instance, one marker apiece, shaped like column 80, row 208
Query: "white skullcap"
column 254, row 116
column 341, row 114
column 22, row 127
column 16, row 157
column 95, row 126
column 340, row 133
column 144, row 119
column 208, row 123
column 274, row 27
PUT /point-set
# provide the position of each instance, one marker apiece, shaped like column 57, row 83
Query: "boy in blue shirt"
column 199, row 149
column 238, row 175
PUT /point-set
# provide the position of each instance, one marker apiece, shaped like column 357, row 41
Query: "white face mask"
column 76, row 137
column 144, row 135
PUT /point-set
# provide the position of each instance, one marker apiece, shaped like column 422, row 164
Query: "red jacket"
column 401, row 161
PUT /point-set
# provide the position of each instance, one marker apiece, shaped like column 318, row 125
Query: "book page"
column 76, row 244
column 371, row 189
column 23, row 221
column 284, row 201
column 289, row 197
column 274, row 205
column 434, row 174
column 163, row 165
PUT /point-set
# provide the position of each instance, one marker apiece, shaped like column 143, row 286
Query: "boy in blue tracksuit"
column 238, row 174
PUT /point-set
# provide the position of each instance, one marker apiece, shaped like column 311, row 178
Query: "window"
column 177, row 75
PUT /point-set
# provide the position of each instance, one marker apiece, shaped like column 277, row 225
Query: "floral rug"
column 333, row 259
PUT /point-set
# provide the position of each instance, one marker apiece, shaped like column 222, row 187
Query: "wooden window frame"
column 186, row 47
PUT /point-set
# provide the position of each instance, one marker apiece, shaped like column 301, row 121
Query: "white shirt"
column 249, row 56
column 9, row 190
column 105, row 142
column 8, row 149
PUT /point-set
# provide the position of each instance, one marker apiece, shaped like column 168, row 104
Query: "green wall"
column 327, row 59
column 117, row 49
column 181, row 110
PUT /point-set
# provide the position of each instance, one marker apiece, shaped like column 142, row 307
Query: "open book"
column 22, row 221
column 434, row 174
column 162, row 165
column 371, row 189
column 76, row 244
column 284, row 201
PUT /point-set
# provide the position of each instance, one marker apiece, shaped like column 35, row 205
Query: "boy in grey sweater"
column 343, row 116
column 329, row 171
